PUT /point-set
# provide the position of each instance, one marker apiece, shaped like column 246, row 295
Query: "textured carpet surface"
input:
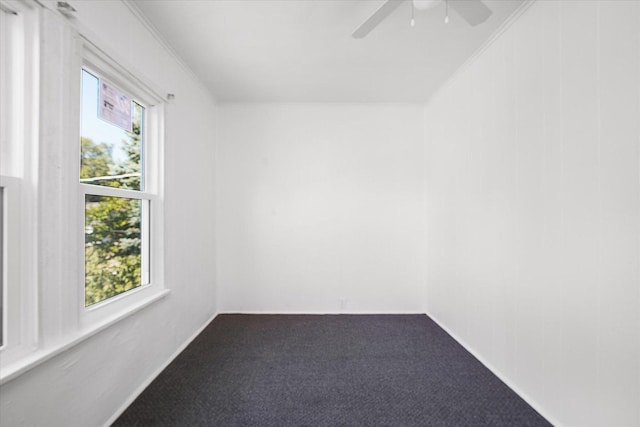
column 343, row 370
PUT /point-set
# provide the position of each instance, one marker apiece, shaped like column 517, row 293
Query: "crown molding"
column 133, row 8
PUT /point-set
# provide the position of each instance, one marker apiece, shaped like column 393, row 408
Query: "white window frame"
column 101, row 65
column 43, row 181
column 12, row 300
column 18, row 149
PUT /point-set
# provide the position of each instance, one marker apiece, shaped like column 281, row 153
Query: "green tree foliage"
column 112, row 247
column 96, row 159
column 132, row 147
column 113, row 261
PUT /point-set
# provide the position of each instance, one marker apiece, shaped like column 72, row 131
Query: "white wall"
column 319, row 203
column 87, row 384
column 534, row 209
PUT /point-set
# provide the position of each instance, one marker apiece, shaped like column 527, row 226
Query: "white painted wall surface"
column 320, row 208
column 534, row 209
column 87, row 384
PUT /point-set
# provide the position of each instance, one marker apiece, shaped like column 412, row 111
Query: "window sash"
column 98, row 190
column 145, row 250
column 14, row 297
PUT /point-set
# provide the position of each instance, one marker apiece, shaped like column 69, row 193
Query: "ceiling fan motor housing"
column 425, row 4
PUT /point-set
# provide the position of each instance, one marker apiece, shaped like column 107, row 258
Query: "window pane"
column 110, row 155
column 113, row 246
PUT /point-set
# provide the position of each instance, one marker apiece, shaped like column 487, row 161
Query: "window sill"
column 19, row 367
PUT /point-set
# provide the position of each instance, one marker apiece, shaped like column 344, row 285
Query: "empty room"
column 320, row 213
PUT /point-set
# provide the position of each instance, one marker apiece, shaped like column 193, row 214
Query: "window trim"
column 101, row 65
column 54, row 318
column 20, row 84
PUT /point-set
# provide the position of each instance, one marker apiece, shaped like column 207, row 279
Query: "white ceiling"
column 302, row 50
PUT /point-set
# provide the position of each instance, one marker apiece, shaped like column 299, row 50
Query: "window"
column 7, row 21
column 18, row 98
column 116, row 217
column 81, row 188
column 118, row 179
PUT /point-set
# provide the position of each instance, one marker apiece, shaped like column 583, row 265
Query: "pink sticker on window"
column 115, row 106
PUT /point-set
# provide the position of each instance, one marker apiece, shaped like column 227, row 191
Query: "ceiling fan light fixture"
column 426, row 4
column 474, row 12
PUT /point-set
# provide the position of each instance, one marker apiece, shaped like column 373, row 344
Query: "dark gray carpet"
column 382, row 370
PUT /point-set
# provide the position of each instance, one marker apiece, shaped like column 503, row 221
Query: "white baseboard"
column 155, row 374
column 319, row 313
column 535, row 405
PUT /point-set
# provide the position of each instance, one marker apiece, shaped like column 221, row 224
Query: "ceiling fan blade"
column 473, row 11
column 378, row 16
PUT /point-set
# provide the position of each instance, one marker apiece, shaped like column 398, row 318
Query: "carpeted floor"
column 280, row 370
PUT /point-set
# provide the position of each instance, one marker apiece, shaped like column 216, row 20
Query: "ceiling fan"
column 473, row 11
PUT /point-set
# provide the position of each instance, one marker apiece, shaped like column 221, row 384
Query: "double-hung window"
column 120, row 181
column 81, row 186
column 18, row 102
